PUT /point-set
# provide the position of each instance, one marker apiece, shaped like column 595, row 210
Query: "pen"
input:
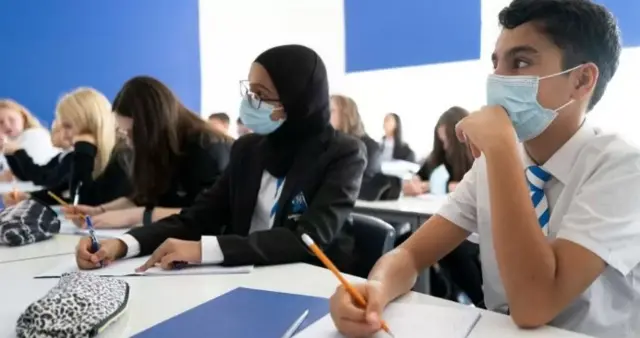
column 76, row 197
column 179, row 265
column 95, row 245
column 350, row 289
column 296, row 325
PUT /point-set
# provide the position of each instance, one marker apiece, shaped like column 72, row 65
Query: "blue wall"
column 383, row 34
column 50, row 47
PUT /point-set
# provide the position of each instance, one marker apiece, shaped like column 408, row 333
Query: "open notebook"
column 127, row 267
column 409, row 321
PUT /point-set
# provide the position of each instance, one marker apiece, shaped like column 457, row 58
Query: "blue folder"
column 242, row 313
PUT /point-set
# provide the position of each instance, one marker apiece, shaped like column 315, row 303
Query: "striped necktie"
column 537, row 177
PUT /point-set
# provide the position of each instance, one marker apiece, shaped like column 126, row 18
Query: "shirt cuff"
column 133, row 246
column 211, row 251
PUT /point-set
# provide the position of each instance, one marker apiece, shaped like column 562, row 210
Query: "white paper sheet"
column 399, row 168
column 409, row 321
column 127, row 267
column 68, row 228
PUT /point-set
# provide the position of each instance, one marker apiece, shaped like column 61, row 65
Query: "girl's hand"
column 76, row 213
column 117, row 219
column 13, row 198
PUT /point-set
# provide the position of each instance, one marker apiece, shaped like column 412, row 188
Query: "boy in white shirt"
column 559, row 214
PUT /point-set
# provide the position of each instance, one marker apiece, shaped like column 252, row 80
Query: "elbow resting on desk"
column 530, row 318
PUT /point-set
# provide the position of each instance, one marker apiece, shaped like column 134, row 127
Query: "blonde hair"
column 30, row 121
column 90, row 112
column 350, row 121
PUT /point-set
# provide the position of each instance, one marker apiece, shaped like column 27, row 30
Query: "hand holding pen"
column 363, row 312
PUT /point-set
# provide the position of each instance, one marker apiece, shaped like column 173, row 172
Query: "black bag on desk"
column 80, row 306
column 27, row 222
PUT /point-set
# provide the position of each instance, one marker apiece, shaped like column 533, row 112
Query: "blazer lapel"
column 249, row 175
column 302, row 167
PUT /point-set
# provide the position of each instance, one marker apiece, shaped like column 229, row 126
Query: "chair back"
column 373, row 238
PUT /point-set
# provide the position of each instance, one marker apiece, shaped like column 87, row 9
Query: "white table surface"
column 154, row 299
column 6, row 187
column 58, row 245
column 421, row 205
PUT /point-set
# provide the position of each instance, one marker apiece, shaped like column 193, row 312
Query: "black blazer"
column 199, row 166
column 403, row 152
column 373, row 156
column 328, row 174
column 112, row 183
column 55, row 171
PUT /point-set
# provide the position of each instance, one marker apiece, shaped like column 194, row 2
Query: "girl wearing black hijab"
column 295, row 174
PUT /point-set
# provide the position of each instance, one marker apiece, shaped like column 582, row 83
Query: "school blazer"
column 327, row 172
column 55, row 171
column 112, row 183
column 403, row 152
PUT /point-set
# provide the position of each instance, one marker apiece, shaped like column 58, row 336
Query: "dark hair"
column 220, row 116
column 584, row 31
column 458, row 154
column 161, row 127
column 397, row 133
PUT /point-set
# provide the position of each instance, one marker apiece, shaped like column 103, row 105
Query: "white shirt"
column 261, row 220
column 37, row 143
column 387, row 149
column 594, row 200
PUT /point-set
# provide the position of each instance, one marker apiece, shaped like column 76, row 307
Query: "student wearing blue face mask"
column 555, row 201
column 294, row 174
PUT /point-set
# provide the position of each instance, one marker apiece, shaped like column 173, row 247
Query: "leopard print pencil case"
column 80, row 305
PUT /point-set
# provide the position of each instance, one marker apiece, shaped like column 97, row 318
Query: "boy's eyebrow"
column 516, row 50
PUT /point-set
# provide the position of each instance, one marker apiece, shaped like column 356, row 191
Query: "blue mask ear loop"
column 554, row 75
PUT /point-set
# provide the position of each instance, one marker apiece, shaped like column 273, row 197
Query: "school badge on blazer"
column 298, row 206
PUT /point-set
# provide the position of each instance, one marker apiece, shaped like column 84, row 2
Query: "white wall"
column 233, row 33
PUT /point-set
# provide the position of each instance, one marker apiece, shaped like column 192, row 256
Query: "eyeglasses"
column 255, row 101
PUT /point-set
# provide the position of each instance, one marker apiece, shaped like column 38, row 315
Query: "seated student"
column 176, row 156
column 241, row 129
column 19, row 129
column 346, row 118
column 85, row 116
column 220, row 122
column 558, row 215
column 393, row 145
column 55, row 171
column 295, row 174
column 455, row 156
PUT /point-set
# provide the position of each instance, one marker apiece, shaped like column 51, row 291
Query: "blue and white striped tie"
column 537, row 177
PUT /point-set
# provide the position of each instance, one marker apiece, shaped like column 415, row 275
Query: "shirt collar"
column 563, row 160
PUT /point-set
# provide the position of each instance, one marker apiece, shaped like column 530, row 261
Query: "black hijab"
column 300, row 78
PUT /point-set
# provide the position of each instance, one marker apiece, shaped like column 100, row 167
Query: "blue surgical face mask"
column 518, row 95
column 258, row 119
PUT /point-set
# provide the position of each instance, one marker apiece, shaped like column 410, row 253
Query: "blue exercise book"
column 242, row 313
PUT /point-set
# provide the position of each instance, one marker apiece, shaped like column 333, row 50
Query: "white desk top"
column 6, row 187
column 151, row 293
column 424, row 205
column 58, row 245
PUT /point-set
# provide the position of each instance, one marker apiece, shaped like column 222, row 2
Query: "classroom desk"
column 6, row 187
column 58, row 245
column 150, row 305
column 412, row 210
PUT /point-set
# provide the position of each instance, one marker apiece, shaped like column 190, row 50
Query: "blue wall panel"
column 50, row 47
column 628, row 14
column 384, row 34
